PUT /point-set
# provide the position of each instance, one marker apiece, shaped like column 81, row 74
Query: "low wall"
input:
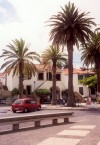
column 16, row 121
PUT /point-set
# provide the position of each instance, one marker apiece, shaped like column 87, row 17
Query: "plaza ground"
column 83, row 129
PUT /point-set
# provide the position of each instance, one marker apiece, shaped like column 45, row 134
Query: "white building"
column 43, row 80
column 79, row 74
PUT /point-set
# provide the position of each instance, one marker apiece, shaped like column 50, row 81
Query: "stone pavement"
column 85, row 133
column 83, row 130
column 81, row 106
column 71, row 136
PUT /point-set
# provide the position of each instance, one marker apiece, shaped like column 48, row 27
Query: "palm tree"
column 19, row 61
column 91, row 55
column 54, row 56
column 68, row 28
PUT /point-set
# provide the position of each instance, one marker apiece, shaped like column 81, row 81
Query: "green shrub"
column 43, row 92
column 15, row 91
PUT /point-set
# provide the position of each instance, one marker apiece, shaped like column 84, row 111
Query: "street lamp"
column 89, row 96
column 34, row 84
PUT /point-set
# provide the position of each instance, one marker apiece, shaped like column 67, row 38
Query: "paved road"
column 84, row 129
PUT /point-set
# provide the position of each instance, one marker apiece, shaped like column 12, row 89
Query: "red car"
column 25, row 105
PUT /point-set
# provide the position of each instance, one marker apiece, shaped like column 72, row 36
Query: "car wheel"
column 25, row 110
column 14, row 111
column 39, row 108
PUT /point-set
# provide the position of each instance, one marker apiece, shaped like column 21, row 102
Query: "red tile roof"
column 79, row 71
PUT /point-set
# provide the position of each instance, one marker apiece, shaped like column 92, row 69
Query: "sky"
column 26, row 19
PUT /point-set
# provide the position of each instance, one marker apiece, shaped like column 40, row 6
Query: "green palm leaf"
column 20, row 61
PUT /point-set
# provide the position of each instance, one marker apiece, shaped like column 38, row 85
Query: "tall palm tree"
column 91, row 55
column 68, row 28
column 56, row 57
column 19, row 61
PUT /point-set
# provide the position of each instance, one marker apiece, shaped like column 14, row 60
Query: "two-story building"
column 79, row 74
column 43, row 80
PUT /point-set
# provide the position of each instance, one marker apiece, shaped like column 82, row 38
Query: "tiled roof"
column 43, row 67
column 78, row 71
column 40, row 67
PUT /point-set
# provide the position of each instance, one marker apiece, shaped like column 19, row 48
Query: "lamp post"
column 89, row 96
column 34, row 85
column 34, row 88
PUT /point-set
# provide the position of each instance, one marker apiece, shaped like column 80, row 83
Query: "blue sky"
column 26, row 19
column 7, row 12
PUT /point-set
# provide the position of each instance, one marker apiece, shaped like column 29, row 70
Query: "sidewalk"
column 83, row 129
column 82, row 106
column 4, row 109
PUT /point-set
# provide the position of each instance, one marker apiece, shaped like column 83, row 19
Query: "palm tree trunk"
column 21, row 80
column 98, row 73
column 54, row 98
column 70, row 102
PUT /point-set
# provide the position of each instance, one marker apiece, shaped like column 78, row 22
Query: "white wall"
column 76, row 84
column 9, row 82
column 63, row 84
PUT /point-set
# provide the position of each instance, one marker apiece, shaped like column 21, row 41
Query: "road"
column 87, row 119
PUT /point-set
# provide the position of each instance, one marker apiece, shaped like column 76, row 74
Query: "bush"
column 43, row 92
column 15, row 91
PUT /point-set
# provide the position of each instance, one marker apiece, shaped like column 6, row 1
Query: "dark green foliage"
column 42, row 92
column 89, row 81
column 15, row 91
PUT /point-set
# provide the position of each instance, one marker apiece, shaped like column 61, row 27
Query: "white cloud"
column 32, row 15
column 2, row 10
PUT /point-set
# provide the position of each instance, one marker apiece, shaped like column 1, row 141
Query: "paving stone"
column 74, row 132
column 98, row 143
column 59, row 141
column 83, row 127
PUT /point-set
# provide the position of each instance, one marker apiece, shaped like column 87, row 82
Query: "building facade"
column 43, row 80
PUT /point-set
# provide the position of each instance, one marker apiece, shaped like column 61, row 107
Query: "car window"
column 33, row 102
column 28, row 101
column 18, row 102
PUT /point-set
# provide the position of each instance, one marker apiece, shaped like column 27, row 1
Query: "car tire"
column 14, row 111
column 39, row 108
column 25, row 110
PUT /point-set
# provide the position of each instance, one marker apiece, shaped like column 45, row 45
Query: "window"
column 33, row 102
column 28, row 101
column 81, row 90
column 49, row 76
column 40, row 76
column 58, row 77
column 88, row 75
column 18, row 102
column 80, row 77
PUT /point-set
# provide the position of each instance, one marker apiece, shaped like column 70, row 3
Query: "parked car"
column 25, row 105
